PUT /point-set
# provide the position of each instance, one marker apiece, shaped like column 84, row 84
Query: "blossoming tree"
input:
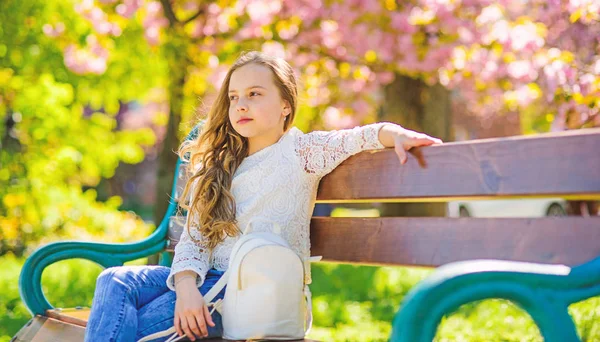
column 359, row 60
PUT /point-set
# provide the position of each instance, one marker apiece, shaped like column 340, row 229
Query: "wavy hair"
column 218, row 151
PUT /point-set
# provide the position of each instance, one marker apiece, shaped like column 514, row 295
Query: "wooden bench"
column 542, row 264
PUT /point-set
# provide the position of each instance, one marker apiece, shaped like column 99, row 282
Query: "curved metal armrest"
column 105, row 254
column 544, row 291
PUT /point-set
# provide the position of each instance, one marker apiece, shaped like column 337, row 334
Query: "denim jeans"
column 131, row 302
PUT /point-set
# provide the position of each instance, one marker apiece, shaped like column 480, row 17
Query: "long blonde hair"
column 219, row 150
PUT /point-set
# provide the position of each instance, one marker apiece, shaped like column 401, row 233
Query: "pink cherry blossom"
column 128, row 8
column 521, row 70
column 263, row 11
column 53, row 30
column 274, row 49
column 492, row 53
column 525, row 36
column 92, row 59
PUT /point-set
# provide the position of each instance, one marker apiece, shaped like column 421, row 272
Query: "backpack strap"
column 171, row 331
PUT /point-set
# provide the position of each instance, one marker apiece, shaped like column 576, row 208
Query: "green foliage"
column 13, row 313
column 357, row 303
column 52, row 156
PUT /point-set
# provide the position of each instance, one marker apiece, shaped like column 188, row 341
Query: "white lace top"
column 280, row 183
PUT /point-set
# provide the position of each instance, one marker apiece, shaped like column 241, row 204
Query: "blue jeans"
column 131, row 302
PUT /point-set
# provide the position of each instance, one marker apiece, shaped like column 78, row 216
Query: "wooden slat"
column 437, row 241
column 45, row 329
column 565, row 164
column 77, row 316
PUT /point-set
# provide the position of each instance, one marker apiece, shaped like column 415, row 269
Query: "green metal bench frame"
column 104, row 254
column 544, row 291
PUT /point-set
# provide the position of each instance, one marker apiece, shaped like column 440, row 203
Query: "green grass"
column 358, row 303
column 66, row 284
column 350, row 303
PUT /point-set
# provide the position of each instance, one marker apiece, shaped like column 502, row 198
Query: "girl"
column 249, row 161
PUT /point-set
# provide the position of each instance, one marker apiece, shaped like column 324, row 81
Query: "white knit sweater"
column 280, row 183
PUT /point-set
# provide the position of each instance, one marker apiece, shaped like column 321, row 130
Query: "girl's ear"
column 286, row 108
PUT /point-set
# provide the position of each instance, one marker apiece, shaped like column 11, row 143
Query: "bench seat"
column 66, row 325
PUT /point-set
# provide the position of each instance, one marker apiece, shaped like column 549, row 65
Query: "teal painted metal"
column 544, row 291
column 104, row 254
column 166, row 259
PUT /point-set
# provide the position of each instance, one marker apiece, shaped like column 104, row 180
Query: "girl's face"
column 256, row 109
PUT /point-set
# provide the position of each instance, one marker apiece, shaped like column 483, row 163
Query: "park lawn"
column 350, row 303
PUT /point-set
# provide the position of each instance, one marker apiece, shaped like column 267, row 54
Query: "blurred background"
column 95, row 96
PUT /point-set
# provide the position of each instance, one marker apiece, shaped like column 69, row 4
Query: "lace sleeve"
column 190, row 256
column 323, row 151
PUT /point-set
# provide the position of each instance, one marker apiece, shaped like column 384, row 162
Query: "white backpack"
column 266, row 297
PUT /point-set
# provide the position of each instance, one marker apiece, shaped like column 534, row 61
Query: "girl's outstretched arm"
column 322, row 151
column 402, row 139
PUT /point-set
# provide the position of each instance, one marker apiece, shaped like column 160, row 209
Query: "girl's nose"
column 241, row 106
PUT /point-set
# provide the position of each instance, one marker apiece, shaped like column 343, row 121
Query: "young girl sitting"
column 249, row 161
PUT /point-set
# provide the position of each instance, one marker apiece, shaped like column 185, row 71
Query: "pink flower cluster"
column 498, row 55
column 154, row 22
column 53, row 30
column 98, row 18
column 92, row 59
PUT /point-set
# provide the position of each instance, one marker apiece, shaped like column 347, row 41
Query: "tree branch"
column 591, row 118
column 169, row 13
column 196, row 15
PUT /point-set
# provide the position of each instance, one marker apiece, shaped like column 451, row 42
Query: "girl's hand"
column 191, row 312
column 405, row 139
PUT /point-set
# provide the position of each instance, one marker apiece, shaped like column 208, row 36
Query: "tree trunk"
column 419, row 107
column 167, row 158
column 11, row 152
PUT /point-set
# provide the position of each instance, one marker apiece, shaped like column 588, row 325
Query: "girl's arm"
column 322, row 151
column 188, row 271
column 191, row 259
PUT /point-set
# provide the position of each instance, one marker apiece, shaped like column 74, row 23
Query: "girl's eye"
column 233, row 97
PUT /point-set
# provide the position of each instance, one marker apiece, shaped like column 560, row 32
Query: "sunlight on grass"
column 488, row 320
column 69, row 277
column 586, row 315
column 348, row 212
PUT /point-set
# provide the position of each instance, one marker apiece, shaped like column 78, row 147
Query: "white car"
column 537, row 207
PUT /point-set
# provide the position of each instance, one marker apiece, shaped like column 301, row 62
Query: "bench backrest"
column 565, row 165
